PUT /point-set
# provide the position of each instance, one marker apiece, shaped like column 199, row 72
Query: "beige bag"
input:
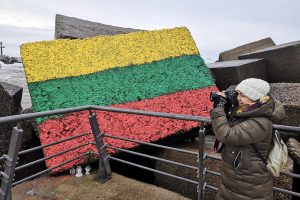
column 277, row 156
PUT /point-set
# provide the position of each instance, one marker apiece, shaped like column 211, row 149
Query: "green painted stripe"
column 121, row 85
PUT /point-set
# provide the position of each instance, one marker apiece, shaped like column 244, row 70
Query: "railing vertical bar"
column 11, row 162
column 201, row 183
column 104, row 171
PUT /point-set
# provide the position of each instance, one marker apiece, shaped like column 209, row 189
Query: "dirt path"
column 69, row 187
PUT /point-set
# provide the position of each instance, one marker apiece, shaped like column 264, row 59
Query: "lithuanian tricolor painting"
column 151, row 70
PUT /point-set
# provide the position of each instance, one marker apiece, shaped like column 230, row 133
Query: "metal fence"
column 104, row 172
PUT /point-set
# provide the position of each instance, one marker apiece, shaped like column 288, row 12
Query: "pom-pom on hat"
column 253, row 88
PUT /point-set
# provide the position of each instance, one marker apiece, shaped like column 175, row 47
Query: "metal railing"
column 104, row 171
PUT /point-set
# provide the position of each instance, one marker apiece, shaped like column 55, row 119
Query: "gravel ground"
column 287, row 93
column 69, row 187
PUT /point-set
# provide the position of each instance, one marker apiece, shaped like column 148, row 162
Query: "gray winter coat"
column 244, row 175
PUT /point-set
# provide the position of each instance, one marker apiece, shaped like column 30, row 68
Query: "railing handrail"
column 28, row 116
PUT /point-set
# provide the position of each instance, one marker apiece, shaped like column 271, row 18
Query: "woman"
column 244, row 175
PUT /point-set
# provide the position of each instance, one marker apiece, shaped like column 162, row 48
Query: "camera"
column 230, row 95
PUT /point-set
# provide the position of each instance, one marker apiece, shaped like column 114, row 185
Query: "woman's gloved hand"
column 220, row 102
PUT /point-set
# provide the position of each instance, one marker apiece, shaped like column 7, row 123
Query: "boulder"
column 288, row 94
column 294, row 151
column 234, row 53
column 71, row 27
column 11, row 96
column 10, row 104
column 282, row 62
column 228, row 73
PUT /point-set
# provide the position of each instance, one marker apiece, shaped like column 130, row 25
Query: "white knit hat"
column 253, row 88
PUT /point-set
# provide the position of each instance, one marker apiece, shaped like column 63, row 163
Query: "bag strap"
column 259, row 154
column 275, row 133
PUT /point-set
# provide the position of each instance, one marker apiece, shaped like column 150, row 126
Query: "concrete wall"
column 282, row 62
column 232, row 72
column 233, row 54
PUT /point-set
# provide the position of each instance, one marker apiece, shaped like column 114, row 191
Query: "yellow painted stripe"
column 64, row 58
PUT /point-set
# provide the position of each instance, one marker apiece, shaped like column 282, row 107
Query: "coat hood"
column 272, row 110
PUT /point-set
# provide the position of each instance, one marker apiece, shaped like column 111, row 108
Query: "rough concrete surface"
column 10, row 96
column 282, row 62
column 71, row 27
column 10, row 104
column 228, row 73
column 233, row 54
column 289, row 95
column 294, row 149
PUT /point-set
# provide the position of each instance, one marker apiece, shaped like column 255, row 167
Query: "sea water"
column 15, row 74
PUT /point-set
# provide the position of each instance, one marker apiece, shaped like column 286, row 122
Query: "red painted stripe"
column 144, row 128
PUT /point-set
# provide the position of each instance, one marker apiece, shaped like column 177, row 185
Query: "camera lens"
column 213, row 96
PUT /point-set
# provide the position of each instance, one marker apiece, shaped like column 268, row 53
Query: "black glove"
column 220, row 102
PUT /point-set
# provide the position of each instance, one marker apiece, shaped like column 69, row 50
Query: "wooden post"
column 1, row 47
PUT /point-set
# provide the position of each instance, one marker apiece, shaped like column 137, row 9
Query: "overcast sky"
column 216, row 26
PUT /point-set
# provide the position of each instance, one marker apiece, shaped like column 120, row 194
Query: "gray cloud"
column 215, row 25
column 14, row 36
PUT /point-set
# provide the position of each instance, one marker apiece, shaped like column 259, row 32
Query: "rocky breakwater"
column 9, row 60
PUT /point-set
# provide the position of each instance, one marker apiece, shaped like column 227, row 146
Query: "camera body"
column 230, row 95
